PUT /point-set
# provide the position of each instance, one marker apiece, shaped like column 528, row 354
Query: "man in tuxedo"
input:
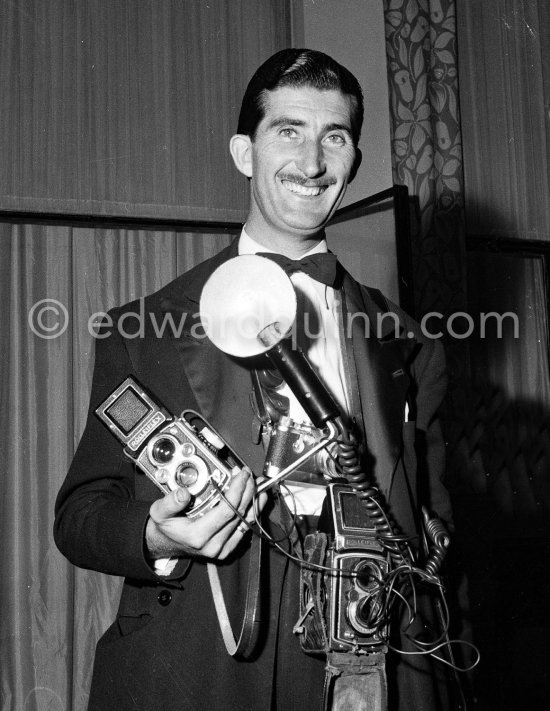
column 297, row 141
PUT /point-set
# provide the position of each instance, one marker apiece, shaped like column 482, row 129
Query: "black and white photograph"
column 275, row 372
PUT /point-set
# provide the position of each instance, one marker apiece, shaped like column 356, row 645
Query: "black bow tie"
column 322, row 267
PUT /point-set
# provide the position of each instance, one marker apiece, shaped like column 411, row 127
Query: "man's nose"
column 311, row 161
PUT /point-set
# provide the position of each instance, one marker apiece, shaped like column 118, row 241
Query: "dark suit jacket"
column 165, row 651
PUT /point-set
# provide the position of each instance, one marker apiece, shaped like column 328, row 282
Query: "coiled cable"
column 369, row 495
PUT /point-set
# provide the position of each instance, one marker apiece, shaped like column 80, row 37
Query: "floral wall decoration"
column 427, row 158
column 426, row 139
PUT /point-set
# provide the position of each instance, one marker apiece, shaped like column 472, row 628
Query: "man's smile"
column 304, row 190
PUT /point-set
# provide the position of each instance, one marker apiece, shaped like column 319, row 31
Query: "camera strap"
column 244, row 645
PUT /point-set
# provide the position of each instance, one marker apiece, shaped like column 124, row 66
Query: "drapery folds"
column 54, row 282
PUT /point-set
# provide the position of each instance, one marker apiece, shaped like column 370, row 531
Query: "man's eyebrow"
column 285, row 121
column 289, row 121
column 338, row 127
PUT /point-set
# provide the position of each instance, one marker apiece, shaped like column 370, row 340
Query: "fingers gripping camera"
column 173, row 452
column 179, row 456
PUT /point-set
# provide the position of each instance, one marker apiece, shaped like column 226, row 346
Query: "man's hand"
column 214, row 535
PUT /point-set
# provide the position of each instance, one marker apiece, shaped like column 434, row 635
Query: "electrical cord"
column 399, row 584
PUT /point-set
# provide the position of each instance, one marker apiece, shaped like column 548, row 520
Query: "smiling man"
column 296, row 143
column 300, row 160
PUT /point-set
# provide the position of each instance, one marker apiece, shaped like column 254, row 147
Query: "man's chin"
column 311, row 225
column 308, row 215
column 306, row 228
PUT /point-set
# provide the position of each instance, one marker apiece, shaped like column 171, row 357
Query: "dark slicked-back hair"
column 297, row 68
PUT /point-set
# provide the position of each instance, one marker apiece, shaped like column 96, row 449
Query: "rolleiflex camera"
column 357, row 590
column 173, row 452
column 343, row 609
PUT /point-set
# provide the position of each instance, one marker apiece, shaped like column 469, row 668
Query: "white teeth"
column 304, row 190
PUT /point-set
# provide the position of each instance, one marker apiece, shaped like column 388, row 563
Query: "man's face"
column 300, row 162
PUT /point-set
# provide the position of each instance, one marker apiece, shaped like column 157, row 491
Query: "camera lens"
column 366, row 612
column 366, row 577
column 163, row 450
column 187, row 475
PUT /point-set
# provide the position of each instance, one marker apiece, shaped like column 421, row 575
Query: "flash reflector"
column 241, row 298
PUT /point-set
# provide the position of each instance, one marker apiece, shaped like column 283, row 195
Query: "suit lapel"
column 378, row 353
column 221, row 385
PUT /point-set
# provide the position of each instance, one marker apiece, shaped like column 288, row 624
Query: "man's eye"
column 288, row 133
column 336, row 139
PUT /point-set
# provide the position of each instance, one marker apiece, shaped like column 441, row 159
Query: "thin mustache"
column 320, row 183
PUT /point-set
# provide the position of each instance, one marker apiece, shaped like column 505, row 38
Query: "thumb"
column 171, row 504
column 182, row 498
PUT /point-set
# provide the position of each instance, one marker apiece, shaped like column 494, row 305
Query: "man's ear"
column 356, row 163
column 240, row 147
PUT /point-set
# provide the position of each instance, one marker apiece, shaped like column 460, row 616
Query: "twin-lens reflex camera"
column 173, row 452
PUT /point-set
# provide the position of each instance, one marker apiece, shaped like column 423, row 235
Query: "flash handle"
column 300, row 377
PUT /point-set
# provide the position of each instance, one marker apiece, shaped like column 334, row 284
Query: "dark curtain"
column 505, row 89
column 123, row 107
column 503, row 497
column 54, row 279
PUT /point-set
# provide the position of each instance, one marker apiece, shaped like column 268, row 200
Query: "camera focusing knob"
column 187, row 449
column 212, row 438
